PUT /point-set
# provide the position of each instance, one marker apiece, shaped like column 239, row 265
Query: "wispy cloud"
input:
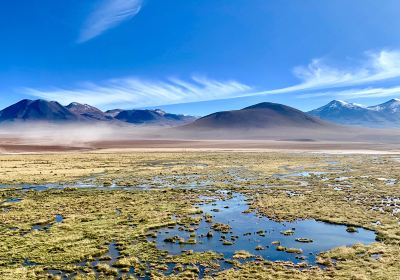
column 316, row 80
column 376, row 67
column 109, row 14
column 353, row 93
column 134, row 92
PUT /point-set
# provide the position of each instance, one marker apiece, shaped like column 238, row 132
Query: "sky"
column 198, row 57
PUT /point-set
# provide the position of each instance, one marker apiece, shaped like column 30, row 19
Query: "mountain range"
column 260, row 116
column 383, row 115
column 51, row 111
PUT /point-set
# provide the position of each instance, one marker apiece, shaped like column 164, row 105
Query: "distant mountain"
column 390, row 107
column 390, row 110
column 88, row 112
column 383, row 115
column 260, row 116
column 51, row 111
column 346, row 113
column 37, row 110
column 155, row 117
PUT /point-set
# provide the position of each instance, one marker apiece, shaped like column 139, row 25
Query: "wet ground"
column 258, row 235
column 226, row 226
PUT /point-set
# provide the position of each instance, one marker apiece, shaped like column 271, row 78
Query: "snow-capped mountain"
column 392, row 106
column 383, row 115
column 339, row 104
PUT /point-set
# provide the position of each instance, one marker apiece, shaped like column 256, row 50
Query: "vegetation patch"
column 137, row 194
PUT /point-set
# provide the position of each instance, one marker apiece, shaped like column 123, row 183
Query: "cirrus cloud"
column 316, row 80
column 353, row 93
column 135, row 92
column 375, row 67
column 109, row 14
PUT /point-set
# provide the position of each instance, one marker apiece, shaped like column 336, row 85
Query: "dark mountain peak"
column 24, row 101
column 157, row 117
column 260, row 116
column 36, row 102
column 37, row 110
column 270, row 106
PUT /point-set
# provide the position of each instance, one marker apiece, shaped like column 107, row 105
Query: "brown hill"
column 259, row 116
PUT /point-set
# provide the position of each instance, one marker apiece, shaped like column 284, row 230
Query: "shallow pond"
column 61, row 186
column 57, row 219
column 300, row 174
column 109, row 259
column 253, row 230
column 12, row 200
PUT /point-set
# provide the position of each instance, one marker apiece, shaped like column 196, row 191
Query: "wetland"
column 190, row 215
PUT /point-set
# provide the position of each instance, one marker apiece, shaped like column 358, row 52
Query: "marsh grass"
column 175, row 182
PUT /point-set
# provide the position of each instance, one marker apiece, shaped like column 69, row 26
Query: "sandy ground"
column 203, row 145
column 246, row 145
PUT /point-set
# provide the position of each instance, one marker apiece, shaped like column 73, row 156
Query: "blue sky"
column 204, row 56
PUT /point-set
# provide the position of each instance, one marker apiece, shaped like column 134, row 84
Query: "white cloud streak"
column 109, row 14
column 134, row 92
column 377, row 67
column 358, row 93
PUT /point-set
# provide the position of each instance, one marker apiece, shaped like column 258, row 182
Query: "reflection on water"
column 257, row 234
column 300, row 174
column 59, row 218
column 45, row 227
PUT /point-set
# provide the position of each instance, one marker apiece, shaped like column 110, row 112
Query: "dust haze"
column 40, row 137
column 70, row 134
